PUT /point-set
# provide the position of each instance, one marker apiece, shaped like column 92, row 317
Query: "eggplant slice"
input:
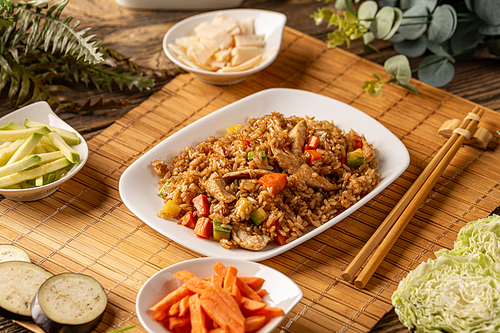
column 19, row 282
column 69, row 302
column 13, row 253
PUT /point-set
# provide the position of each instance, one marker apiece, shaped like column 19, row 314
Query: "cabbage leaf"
column 459, row 291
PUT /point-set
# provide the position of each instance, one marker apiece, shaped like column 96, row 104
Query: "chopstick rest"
column 481, row 137
column 398, row 218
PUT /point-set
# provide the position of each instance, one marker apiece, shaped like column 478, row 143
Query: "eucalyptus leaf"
column 436, row 71
column 431, row 5
column 437, row 49
column 468, row 4
column 404, row 4
column 383, row 22
column 398, row 17
column 414, row 27
column 412, row 48
column 488, row 11
column 466, row 36
column 391, row 3
column 489, row 30
column 443, row 24
column 399, row 67
column 407, row 86
column 368, row 37
column 397, row 38
column 367, row 10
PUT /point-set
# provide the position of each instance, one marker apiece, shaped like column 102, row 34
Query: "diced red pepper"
column 312, row 155
column 312, row 143
column 358, row 143
column 188, row 220
column 280, row 239
column 245, row 143
column 201, row 205
column 277, row 181
column 276, row 224
column 343, row 160
column 203, row 227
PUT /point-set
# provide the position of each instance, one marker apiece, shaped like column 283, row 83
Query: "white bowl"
column 283, row 293
column 268, row 23
column 139, row 183
column 41, row 112
column 179, row 4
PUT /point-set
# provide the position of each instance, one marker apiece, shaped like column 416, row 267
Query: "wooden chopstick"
column 403, row 204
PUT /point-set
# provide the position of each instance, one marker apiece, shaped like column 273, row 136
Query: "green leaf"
column 367, row 10
column 407, row 86
column 399, row 67
column 443, row 24
column 436, row 71
column 414, row 23
column 412, row 48
column 468, row 4
column 488, row 11
column 437, row 49
column 383, row 22
column 489, row 30
column 398, row 17
column 466, row 36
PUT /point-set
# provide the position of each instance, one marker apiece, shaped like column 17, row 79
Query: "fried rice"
column 315, row 192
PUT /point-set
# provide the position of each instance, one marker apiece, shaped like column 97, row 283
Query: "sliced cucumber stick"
column 69, row 137
column 12, row 135
column 65, row 149
column 41, row 170
column 23, row 164
column 26, row 148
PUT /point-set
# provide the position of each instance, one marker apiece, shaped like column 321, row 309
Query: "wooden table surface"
column 138, row 34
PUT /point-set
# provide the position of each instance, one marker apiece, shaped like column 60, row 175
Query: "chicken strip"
column 216, row 186
column 298, row 135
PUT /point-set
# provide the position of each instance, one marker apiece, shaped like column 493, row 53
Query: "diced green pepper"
column 355, row 158
column 251, row 154
column 258, row 216
column 220, row 232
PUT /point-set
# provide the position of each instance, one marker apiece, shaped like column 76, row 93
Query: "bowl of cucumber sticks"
column 38, row 153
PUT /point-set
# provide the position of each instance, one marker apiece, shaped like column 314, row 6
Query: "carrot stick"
column 270, row 312
column 174, row 309
column 220, row 269
column 222, row 308
column 174, row 322
column 236, row 293
column 216, row 279
column 184, row 275
column 161, row 316
column 247, row 291
column 262, row 292
column 197, row 315
column 230, row 278
column 184, row 306
column 253, row 282
column 171, row 298
column 197, row 285
column 251, row 305
column 254, row 323
column 217, row 330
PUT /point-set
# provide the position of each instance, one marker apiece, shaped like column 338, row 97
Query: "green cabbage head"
column 459, row 291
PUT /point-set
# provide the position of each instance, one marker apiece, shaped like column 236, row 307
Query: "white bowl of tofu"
column 225, row 47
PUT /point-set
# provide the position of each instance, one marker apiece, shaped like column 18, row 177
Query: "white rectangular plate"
column 139, row 183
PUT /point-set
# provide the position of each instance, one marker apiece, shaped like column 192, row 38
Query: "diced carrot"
column 184, row 306
column 247, row 291
column 203, row 227
column 312, row 155
column 280, row 239
column 184, row 275
column 276, row 181
column 161, row 316
column 188, row 220
column 253, row 282
column 230, row 278
column 197, row 285
column 236, row 293
column 262, row 292
column 312, row 143
column 171, row 298
column 251, row 305
column 254, row 323
column 200, row 203
column 197, row 315
column 174, row 322
column 216, row 279
column 174, row 309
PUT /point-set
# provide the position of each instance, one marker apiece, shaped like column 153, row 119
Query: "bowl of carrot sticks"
column 216, row 295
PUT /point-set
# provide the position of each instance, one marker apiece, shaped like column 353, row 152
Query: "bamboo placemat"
column 85, row 227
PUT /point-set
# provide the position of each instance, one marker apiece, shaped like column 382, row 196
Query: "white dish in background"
column 283, row 293
column 41, row 112
column 179, row 5
column 268, row 23
column 139, row 183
